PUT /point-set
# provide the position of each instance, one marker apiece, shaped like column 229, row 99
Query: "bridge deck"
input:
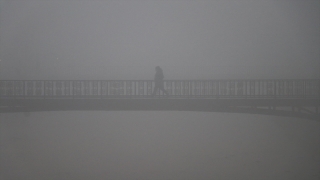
column 307, row 108
column 250, row 96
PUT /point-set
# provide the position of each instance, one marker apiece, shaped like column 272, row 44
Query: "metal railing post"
column 275, row 89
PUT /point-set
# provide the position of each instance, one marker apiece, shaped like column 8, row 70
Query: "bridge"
column 279, row 97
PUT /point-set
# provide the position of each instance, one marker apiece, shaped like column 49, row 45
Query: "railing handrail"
column 227, row 79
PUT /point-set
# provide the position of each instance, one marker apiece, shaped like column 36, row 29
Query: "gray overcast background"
column 91, row 39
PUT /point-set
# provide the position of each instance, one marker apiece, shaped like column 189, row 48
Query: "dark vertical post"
column 100, row 82
column 138, row 88
column 304, row 89
column 68, row 83
column 124, row 87
column 54, row 83
column 13, row 90
column 259, row 88
column 254, row 88
column 107, row 89
column 189, row 89
column 42, row 89
column 52, row 88
column 73, row 89
column 245, row 89
column 218, row 89
column 133, row 91
column 142, row 88
column 23, row 89
column 275, row 88
column 319, row 89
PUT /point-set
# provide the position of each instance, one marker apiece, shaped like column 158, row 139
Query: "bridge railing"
column 308, row 88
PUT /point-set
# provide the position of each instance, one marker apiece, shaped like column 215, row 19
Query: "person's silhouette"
column 158, row 79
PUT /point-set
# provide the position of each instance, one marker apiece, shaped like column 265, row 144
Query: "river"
column 157, row 145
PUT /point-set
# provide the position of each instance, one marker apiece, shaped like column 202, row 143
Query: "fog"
column 115, row 40
column 91, row 39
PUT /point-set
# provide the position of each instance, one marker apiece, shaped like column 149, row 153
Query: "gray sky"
column 82, row 39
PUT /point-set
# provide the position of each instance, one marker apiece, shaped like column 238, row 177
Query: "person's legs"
column 163, row 90
column 160, row 86
column 156, row 87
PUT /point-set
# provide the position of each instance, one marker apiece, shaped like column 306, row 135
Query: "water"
column 157, row 145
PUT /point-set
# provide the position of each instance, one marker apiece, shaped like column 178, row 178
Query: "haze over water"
column 157, row 145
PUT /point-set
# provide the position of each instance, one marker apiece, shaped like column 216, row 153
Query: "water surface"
column 157, row 145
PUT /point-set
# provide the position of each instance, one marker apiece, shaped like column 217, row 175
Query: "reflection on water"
column 157, row 145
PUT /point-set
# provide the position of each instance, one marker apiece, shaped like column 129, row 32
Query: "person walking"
column 158, row 79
